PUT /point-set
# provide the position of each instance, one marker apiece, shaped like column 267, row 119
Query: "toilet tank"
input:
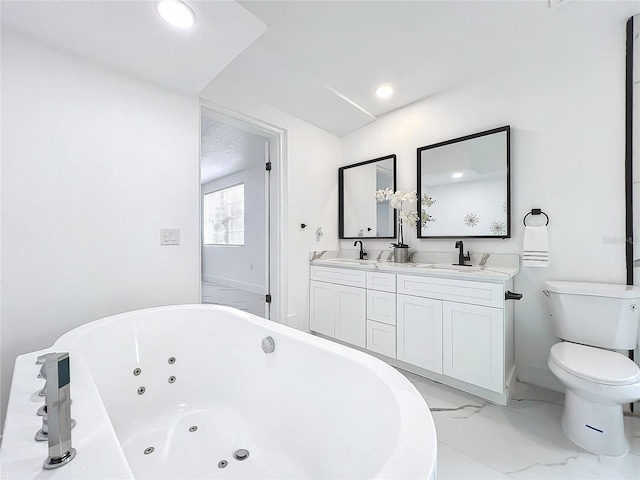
column 598, row 314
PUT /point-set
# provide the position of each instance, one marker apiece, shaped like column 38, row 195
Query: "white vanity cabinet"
column 337, row 304
column 453, row 327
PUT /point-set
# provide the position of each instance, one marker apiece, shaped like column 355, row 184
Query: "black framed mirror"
column 632, row 162
column 632, row 158
column 468, row 179
column 360, row 215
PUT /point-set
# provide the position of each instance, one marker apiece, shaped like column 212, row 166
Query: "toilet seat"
column 595, row 364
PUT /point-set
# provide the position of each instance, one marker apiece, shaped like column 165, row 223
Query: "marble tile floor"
column 480, row 440
column 233, row 297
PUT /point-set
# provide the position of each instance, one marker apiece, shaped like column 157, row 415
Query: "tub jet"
column 148, row 450
column 193, row 429
column 222, row 463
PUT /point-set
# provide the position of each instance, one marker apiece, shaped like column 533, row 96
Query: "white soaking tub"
column 175, row 392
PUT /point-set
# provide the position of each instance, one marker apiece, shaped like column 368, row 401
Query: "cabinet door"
column 419, row 332
column 473, row 344
column 322, row 303
column 350, row 315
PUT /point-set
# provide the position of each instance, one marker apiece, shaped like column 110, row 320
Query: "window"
column 223, row 216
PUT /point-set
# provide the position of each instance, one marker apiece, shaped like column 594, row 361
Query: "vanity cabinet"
column 462, row 339
column 337, row 304
column 452, row 330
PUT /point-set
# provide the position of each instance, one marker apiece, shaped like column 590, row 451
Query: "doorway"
column 239, row 200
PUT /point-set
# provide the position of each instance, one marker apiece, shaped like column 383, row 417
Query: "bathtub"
column 176, row 392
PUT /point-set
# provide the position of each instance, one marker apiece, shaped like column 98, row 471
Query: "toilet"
column 594, row 319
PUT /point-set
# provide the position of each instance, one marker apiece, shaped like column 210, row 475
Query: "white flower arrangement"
column 426, row 202
column 399, row 200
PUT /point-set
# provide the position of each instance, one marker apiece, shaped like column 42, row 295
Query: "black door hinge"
column 268, row 298
column 268, row 166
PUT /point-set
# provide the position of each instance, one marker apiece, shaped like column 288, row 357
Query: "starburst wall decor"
column 498, row 227
column 471, row 219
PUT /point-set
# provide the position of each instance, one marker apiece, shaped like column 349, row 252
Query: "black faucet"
column 461, row 256
column 363, row 254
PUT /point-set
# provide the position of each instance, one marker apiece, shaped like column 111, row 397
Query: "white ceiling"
column 131, row 37
column 225, row 149
column 321, row 60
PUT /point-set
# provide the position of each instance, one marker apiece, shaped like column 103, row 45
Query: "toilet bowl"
column 598, row 382
column 595, row 319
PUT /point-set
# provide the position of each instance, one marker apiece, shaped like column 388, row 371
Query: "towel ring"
column 535, row 211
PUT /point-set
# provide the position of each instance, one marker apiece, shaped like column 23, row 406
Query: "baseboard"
column 227, row 282
column 542, row 377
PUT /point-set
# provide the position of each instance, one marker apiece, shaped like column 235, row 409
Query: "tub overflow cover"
column 241, row 454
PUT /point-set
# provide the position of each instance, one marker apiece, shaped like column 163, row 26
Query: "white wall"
column 94, row 164
column 241, row 266
column 312, row 157
column 567, row 157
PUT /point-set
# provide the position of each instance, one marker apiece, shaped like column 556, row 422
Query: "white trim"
column 267, row 223
column 278, row 240
column 246, row 287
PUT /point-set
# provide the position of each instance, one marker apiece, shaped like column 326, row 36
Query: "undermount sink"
column 457, row 268
column 350, row 261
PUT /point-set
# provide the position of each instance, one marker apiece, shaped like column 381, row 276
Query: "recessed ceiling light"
column 457, row 175
column 384, row 91
column 176, row 13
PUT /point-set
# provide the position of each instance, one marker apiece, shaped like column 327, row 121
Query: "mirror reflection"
column 468, row 180
column 360, row 214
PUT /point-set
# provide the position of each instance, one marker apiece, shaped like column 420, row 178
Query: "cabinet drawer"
column 381, row 338
column 381, row 307
column 381, row 281
column 341, row 276
column 464, row 291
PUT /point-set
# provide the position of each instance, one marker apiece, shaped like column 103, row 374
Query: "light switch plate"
column 169, row 236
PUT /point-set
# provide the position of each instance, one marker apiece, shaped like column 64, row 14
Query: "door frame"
column 277, row 221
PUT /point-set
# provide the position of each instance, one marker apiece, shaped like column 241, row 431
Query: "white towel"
column 535, row 247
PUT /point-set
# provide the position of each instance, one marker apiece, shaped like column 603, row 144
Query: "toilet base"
column 596, row 427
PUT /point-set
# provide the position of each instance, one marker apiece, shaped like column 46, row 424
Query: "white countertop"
column 498, row 268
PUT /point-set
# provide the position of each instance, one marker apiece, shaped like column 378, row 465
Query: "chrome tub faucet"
column 58, row 416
